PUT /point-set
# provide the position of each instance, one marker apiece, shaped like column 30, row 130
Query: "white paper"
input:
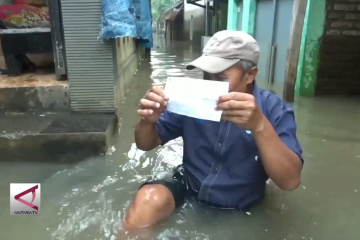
column 194, row 97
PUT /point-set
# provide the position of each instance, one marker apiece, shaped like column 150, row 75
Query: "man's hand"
column 241, row 109
column 153, row 104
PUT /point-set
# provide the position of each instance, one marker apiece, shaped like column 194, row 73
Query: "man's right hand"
column 153, row 104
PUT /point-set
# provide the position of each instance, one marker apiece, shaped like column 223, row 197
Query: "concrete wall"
column 175, row 28
column 41, row 92
column 128, row 57
column 198, row 21
column 46, row 95
column 310, row 47
column 339, row 69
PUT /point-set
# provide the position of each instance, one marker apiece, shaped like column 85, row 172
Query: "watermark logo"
column 25, row 198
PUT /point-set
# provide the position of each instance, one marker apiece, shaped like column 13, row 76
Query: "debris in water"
column 111, row 150
column 303, row 187
column 248, row 213
column 266, row 230
column 355, row 190
column 42, row 115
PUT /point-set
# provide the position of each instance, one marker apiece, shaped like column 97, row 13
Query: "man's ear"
column 250, row 76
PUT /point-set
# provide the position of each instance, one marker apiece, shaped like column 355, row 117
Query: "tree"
column 160, row 6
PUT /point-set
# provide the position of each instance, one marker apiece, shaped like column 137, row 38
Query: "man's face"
column 237, row 78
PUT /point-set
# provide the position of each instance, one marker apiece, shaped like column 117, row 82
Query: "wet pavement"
column 88, row 200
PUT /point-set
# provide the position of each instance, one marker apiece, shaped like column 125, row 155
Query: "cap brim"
column 211, row 64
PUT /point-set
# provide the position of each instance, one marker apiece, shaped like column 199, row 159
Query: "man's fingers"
column 156, row 98
column 237, row 96
column 153, row 103
column 231, row 105
column 235, row 113
column 145, row 103
column 160, row 92
column 145, row 112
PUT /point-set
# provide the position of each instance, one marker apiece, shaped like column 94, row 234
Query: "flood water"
column 88, row 200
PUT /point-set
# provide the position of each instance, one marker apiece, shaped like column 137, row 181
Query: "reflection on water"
column 88, row 200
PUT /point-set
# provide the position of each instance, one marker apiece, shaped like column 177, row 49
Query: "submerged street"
column 87, row 200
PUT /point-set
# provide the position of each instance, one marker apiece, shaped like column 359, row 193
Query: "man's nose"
column 208, row 76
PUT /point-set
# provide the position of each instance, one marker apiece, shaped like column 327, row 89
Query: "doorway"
column 272, row 32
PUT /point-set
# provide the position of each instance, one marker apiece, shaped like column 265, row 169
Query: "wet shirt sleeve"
column 169, row 126
column 285, row 126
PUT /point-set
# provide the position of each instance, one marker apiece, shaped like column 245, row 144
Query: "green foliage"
column 160, row 6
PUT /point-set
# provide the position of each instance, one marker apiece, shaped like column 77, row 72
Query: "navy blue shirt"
column 221, row 160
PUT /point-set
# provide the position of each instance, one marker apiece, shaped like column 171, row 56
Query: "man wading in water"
column 225, row 164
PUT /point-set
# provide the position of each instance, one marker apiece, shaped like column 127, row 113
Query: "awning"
column 172, row 14
column 168, row 14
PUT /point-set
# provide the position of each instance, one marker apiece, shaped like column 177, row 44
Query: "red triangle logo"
column 32, row 190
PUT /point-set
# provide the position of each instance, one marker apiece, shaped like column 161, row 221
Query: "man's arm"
column 146, row 136
column 149, row 135
column 280, row 151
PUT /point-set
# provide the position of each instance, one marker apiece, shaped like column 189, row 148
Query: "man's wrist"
column 145, row 123
column 260, row 127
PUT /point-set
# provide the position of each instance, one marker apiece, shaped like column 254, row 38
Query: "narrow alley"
column 87, row 200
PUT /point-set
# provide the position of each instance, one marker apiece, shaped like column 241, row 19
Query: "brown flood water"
column 88, row 200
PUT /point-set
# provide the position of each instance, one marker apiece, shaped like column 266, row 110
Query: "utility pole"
column 296, row 28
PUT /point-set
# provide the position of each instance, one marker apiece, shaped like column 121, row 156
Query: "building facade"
column 99, row 71
column 328, row 60
column 268, row 21
column 200, row 20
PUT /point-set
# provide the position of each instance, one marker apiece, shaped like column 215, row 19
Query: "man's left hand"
column 242, row 110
